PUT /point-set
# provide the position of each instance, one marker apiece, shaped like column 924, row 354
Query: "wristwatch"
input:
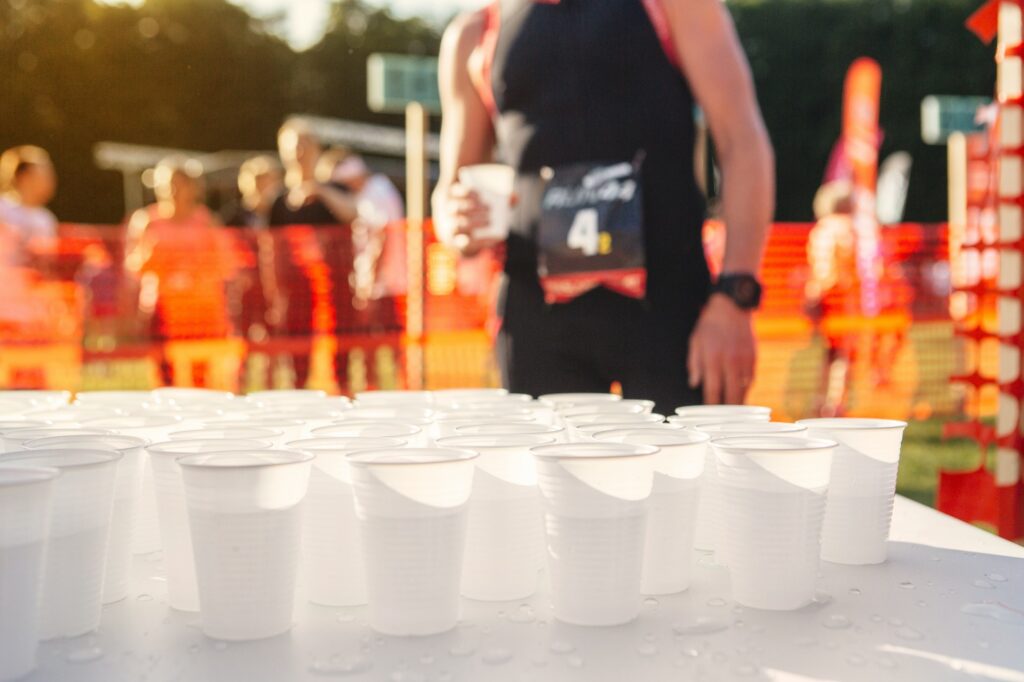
column 742, row 288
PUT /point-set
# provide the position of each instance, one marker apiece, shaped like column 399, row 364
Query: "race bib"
column 591, row 231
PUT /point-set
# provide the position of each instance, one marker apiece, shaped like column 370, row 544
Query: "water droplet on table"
column 716, row 601
column 560, row 646
column 737, row 609
column 647, row 649
column 907, row 632
column 855, row 659
column 907, row 585
column 855, row 591
column 995, row 612
column 996, row 577
column 347, row 664
column 922, row 603
column 524, row 614
column 822, row 598
column 876, row 618
column 700, row 625
column 345, row 617
column 651, row 603
column 462, row 649
column 496, row 656
column 144, row 597
column 84, row 654
column 983, row 584
column 220, row 646
column 745, row 670
column 691, row 652
column 935, row 558
column 836, row 621
column 574, row 661
column 895, row 620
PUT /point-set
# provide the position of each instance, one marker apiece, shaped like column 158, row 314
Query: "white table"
column 902, row 620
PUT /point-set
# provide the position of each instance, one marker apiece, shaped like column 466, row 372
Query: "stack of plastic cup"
column 245, row 518
column 862, row 489
column 172, row 512
column 595, row 503
column 672, row 517
column 25, row 500
column 332, row 554
column 505, row 534
column 773, row 499
column 127, row 490
column 412, row 511
column 83, row 499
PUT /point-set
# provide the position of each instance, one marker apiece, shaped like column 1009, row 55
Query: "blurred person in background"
column 28, row 183
column 380, row 265
column 259, row 184
column 305, row 199
column 181, row 260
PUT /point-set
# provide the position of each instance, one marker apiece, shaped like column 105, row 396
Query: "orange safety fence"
column 290, row 306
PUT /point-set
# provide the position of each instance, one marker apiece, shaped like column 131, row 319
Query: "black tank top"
column 589, row 81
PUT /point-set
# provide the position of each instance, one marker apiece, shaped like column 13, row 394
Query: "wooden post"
column 416, row 181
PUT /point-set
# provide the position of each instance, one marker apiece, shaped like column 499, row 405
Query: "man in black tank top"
column 571, row 89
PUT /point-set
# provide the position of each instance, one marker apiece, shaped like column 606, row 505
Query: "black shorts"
column 593, row 341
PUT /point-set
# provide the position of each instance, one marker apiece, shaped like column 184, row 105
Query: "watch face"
column 746, row 291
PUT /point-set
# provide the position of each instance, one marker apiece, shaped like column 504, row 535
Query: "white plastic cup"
column 127, row 490
column 576, row 433
column 14, row 440
column 185, row 396
column 450, row 397
column 36, row 398
column 289, row 428
column 862, row 489
column 631, row 405
column 557, row 400
column 511, row 429
column 113, row 398
column 773, row 499
column 287, row 396
column 245, row 518
column 595, row 509
column 493, row 183
column 697, row 420
column 371, row 429
column 172, row 512
column 412, row 510
column 505, row 534
column 585, row 433
column 394, row 398
column 715, row 411
column 73, row 415
column 83, row 500
column 332, row 554
column 154, row 428
column 25, row 502
column 446, row 423
column 672, row 517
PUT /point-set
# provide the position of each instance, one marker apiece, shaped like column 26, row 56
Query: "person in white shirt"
column 381, row 213
column 27, row 184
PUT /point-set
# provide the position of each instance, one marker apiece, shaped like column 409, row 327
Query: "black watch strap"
column 742, row 288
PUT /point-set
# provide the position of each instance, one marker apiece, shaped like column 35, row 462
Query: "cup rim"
column 268, row 433
column 162, row 449
column 640, row 418
column 723, row 410
column 587, row 427
column 29, row 475
column 243, row 424
column 576, row 451
column 540, row 429
column 208, row 460
column 447, row 440
column 78, row 431
column 132, row 441
column 851, row 423
column 768, row 444
column 155, row 421
column 311, row 392
column 378, row 456
column 416, row 430
column 557, row 398
column 754, row 426
column 691, row 437
column 307, row 444
column 99, row 457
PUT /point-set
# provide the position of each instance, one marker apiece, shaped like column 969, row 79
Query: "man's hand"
column 722, row 352
column 459, row 214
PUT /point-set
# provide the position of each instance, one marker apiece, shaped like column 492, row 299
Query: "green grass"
column 924, row 453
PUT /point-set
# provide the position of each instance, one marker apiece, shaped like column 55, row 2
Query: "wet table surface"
column 949, row 604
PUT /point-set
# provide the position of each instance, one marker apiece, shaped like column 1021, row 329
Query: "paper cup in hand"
column 412, row 510
column 25, row 500
column 83, row 499
column 862, row 488
column 493, row 183
column 245, row 517
column 595, row 511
